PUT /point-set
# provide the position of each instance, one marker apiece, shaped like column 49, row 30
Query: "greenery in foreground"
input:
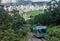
column 53, row 33
column 12, row 28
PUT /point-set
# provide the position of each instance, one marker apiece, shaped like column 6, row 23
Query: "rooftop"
column 40, row 27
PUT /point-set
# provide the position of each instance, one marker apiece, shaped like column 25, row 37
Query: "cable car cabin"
column 39, row 31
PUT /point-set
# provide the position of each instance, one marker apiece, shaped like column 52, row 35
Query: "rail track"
column 30, row 37
column 42, row 39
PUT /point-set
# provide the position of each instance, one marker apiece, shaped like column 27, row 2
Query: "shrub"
column 53, row 33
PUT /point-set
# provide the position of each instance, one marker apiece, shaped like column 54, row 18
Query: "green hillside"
column 32, row 13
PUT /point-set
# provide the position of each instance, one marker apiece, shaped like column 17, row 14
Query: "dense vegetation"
column 51, row 16
column 53, row 33
column 53, row 12
column 11, row 26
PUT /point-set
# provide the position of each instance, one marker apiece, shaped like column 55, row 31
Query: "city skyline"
column 39, row 0
column 14, row 1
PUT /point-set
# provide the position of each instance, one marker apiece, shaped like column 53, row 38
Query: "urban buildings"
column 24, row 5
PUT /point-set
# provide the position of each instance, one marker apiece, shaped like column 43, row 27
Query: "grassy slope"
column 33, row 13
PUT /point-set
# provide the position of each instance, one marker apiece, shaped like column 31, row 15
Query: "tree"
column 52, row 14
column 5, row 18
column 11, row 27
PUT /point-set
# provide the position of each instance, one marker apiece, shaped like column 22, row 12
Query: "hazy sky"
column 40, row 0
column 7, row 1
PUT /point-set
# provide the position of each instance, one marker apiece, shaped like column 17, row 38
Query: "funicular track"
column 30, row 37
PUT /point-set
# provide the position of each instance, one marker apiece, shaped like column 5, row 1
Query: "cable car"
column 39, row 31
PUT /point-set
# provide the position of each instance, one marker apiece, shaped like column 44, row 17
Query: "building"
column 25, row 5
column 24, row 2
